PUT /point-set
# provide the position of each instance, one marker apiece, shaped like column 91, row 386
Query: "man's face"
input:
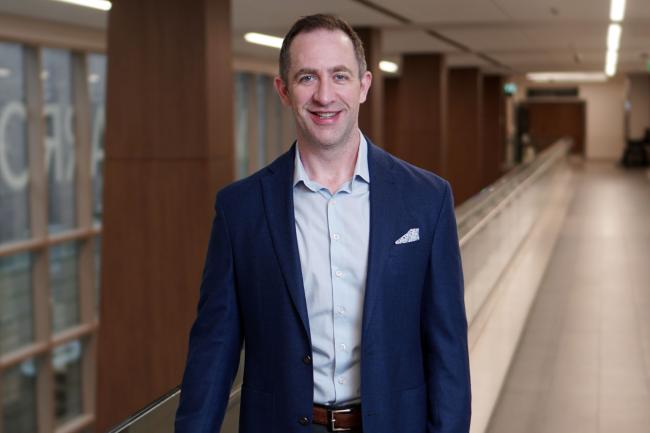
column 323, row 87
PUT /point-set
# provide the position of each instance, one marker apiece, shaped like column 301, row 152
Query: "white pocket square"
column 410, row 236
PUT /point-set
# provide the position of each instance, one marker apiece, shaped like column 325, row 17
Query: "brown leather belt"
column 338, row 419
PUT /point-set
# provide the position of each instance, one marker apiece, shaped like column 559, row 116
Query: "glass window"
column 275, row 115
column 19, row 398
column 16, row 314
column 241, row 122
column 97, row 92
column 262, row 83
column 59, row 138
column 64, row 280
column 14, row 158
column 66, row 364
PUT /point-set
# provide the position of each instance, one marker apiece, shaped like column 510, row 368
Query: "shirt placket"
column 339, row 301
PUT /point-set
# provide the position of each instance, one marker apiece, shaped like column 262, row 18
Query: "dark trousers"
column 317, row 428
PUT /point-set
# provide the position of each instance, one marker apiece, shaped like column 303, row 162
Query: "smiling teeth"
column 326, row 115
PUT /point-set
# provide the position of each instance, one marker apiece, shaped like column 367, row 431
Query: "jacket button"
column 303, row 420
column 307, row 359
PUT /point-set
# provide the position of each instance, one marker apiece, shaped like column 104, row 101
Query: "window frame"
column 85, row 234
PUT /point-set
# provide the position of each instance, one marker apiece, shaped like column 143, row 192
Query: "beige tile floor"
column 583, row 363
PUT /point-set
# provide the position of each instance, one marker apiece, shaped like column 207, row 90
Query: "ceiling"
column 496, row 35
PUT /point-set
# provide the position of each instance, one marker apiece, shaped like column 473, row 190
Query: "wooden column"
column 494, row 128
column 390, row 114
column 422, row 112
column 169, row 146
column 371, row 112
column 464, row 160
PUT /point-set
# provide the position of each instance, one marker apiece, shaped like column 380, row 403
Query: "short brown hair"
column 316, row 22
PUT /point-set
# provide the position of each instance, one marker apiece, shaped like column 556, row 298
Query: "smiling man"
column 337, row 267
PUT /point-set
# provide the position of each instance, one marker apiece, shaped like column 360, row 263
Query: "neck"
column 330, row 166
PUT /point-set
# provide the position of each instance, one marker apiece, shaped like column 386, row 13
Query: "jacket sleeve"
column 215, row 340
column 444, row 326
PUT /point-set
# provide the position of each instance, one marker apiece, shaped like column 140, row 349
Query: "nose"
column 324, row 93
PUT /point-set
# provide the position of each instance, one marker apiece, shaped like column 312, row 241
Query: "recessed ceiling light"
column 617, row 10
column 390, row 67
column 262, row 39
column 613, row 37
column 610, row 63
column 103, row 5
column 547, row 77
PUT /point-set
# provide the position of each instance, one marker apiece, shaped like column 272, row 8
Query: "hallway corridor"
column 583, row 363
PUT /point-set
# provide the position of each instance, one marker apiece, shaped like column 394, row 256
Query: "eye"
column 340, row 77
column 306, row 78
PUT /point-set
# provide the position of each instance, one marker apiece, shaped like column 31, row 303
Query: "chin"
column 331, row 138
column 325, row 140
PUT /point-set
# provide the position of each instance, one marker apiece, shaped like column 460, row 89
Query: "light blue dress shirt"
column 333, row 233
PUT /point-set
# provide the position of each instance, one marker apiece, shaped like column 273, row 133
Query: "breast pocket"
column 405, row 255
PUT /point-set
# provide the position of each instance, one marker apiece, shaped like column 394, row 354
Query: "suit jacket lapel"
column 277, row 189
column 384, row 216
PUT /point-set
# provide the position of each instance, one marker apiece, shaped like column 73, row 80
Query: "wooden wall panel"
column 551, row 120
column 464, row 160
column 371, row 111
column 422, row 112
column 390, row 114
column 494, row 128
column 168, row 148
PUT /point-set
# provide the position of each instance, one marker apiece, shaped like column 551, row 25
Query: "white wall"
column 605, row 138
column 605, row 116
column 639, row 97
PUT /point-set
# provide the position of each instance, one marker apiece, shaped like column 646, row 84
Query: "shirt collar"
column 360, row 168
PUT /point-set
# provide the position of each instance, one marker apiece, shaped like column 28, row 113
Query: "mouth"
column 324, row 117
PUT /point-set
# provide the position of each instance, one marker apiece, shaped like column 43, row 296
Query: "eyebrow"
column 338, row 68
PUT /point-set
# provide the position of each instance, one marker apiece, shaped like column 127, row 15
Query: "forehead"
column 322, row 48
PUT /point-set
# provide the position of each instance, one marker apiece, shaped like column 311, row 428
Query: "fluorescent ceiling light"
column 613, row 37
column 103, row 5
column 610, row 64
column 261, row 39
column 617, row 10
column 547, row 77
column 387, row 66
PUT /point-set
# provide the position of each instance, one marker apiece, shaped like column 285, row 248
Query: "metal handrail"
column 150, row 408
column 168, row 398
column 545, row 161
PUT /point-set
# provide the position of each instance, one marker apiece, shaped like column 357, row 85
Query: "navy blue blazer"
column 414, row 356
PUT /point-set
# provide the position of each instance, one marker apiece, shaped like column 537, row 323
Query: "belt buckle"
column 331, row 421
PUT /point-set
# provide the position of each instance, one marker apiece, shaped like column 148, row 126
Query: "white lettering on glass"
column 59, row 135
column 16, row 181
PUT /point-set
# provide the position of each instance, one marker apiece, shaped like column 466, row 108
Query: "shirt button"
column 307, row 359
column 340, row 311
column 339, row 274
column 303, row 420
column 343, row 347
column 342, row 380
column 336, row 236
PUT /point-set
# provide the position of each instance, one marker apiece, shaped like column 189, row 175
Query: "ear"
column 366, row 81
column 283, row 91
